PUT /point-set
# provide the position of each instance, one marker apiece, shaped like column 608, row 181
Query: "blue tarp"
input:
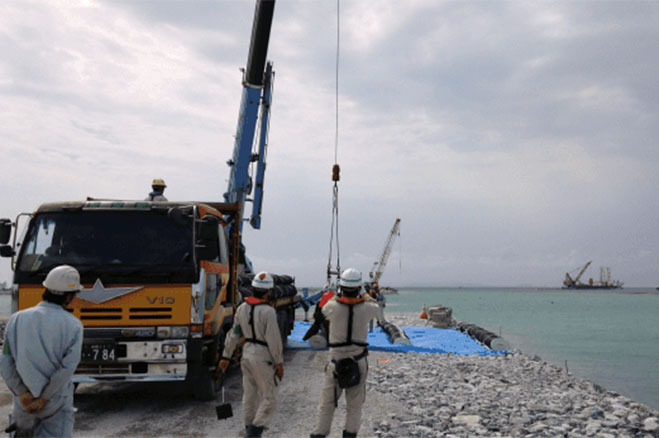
column 424, row 340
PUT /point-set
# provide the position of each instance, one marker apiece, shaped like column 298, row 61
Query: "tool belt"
column 346, row 371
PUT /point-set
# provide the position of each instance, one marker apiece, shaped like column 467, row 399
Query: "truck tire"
column 204, row 387
column 283, row 323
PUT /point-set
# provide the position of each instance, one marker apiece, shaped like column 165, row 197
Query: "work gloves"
column 31, row 404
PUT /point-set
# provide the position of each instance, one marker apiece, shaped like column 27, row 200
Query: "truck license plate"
column 105, row 352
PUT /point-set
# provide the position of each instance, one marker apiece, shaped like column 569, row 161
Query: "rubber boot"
column 254, row 431
column 347, row 434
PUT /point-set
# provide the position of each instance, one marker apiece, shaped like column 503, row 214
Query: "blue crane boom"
column 257, row 92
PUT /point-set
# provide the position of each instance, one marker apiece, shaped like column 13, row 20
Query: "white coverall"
column 40, row 354
column 258, row 361
column 337, row 315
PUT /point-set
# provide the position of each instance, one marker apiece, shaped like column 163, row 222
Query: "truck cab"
column 159, row 284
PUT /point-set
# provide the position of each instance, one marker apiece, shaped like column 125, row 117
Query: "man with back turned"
column 40, row 354
column 348, row 317
column 262, row 361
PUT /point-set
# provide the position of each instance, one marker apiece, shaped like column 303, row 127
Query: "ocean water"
column 610, row 337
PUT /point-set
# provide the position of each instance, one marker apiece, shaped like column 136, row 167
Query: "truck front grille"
column 113, row 315
column 150, row 313
column 100, row 314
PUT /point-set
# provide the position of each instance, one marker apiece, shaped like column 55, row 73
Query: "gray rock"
column 423, row 430
column 520, row 421
column 611, row 424
column 592, row 412
column 537, row 428
column 651, row 424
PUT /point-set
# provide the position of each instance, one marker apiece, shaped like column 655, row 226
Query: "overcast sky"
column 515, row 140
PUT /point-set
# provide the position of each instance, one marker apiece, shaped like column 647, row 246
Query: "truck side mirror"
column 208, row 228
column 6, row 251
column 180, row 215
column 207, row 247
column 5, row 231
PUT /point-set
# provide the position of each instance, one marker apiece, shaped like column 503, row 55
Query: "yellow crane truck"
column 161, row 278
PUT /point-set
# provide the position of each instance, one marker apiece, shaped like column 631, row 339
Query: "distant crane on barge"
column 604, row 282
column 376, row 274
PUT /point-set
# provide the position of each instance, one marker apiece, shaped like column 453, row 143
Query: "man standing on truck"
column 158, row 185
column 262, row 362
column 40, row 354
column 348, row 317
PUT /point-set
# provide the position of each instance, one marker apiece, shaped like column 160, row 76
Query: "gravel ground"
column 418, row 395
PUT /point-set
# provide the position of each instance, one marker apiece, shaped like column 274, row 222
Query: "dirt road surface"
column 168, row 409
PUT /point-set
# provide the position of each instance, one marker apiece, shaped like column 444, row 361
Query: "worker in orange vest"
column 317, row 333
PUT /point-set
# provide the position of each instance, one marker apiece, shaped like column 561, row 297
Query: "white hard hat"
column 263, row 280
column 63, row 279
column 159, row 182
column 351, row 278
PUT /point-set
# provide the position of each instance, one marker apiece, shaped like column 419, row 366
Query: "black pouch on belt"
column 346, row 372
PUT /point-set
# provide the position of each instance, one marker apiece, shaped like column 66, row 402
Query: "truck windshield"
column 115, row 246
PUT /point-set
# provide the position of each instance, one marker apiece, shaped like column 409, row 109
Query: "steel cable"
column 334, row 227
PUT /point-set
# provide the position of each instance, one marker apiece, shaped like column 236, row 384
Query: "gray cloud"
column 516, row 141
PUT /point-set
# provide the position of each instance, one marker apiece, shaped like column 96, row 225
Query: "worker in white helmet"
column 262, row 362
column 40, row 353
column 348, row 317
column 158, row 185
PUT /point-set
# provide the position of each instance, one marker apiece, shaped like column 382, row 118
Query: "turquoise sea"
column 610, row 337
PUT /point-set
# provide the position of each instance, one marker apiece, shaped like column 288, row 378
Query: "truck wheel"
column 282, row 322
column 204, row 386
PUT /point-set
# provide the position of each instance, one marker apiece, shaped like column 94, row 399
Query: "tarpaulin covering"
column 424, row 340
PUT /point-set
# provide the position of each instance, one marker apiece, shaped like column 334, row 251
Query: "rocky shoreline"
column 513, row 395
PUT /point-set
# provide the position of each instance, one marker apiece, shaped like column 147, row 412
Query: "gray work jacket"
column 41, row 351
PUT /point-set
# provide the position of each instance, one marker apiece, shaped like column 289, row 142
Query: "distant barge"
column 604, row 282
column 617, row 285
